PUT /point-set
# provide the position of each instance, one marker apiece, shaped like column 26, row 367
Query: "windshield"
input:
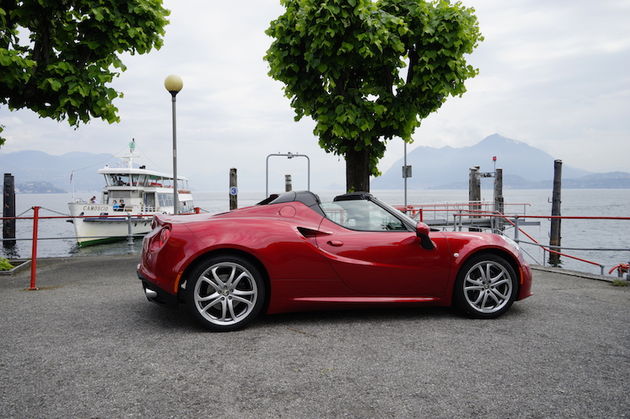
column 366, row 215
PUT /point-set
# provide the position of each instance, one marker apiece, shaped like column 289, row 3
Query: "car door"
column 375, row 254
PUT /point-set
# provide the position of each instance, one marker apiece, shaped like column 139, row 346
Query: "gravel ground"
column 88, row 344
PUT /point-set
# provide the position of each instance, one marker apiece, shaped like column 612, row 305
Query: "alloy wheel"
column 487, row 286
column 225, row 293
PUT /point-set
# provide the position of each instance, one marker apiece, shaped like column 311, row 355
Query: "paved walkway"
column 88, row 344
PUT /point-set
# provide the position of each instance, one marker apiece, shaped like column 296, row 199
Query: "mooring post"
column 474, row 194
column 33, row 287
column 555, row 235
column 8, row 210
column 129, row 231
column 288, row 187
column 498, row 198
column 233, row 190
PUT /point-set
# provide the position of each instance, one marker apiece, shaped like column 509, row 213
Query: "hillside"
column 523, row 167
column 36, row 166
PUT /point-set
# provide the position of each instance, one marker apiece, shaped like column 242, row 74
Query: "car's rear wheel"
column 486, row 286
column 225, row 292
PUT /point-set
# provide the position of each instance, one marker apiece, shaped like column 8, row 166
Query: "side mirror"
column 422, row 231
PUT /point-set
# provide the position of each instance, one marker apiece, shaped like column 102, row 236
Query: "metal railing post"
column 516, row 239
column 129, row 234
column 32, row 286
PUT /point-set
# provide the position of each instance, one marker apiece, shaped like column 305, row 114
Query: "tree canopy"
column 58, row 56
column 368, row 71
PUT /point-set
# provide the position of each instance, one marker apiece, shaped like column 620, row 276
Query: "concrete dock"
column 88, row 344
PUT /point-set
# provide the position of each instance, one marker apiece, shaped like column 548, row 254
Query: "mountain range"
column 39, row 172
column 524, row 167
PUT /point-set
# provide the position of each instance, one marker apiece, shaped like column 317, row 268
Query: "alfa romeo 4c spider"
column 293, row 253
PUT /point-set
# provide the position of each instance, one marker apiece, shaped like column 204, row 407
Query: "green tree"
column 58, row 56
column 367, row 71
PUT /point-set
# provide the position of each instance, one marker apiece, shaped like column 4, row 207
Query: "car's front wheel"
column 225, row 292
column 486, row 286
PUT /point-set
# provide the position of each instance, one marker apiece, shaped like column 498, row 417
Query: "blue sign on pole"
column 233, row 191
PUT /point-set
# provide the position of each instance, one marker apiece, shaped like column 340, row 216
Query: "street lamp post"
column 406, row 172
column 174, row 84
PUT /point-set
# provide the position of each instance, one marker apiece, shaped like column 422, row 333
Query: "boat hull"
column 98, row 224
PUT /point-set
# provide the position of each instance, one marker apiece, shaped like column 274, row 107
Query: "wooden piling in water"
column 555, row 236
column 474, row 193
column 288, row 187
column 233, row 190
column 8, row 210
column 498, row 197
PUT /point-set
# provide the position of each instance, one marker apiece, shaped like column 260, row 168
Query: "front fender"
column 465, row 245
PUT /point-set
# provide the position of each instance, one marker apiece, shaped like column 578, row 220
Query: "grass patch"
column 620, row 283
column 5, row 265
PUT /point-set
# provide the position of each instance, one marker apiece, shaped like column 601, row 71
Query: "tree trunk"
column 357, row 171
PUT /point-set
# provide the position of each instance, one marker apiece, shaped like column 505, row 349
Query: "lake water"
column 575, row 233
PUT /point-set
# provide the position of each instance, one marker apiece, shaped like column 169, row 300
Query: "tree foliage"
column 368, row 71
column 58, row 56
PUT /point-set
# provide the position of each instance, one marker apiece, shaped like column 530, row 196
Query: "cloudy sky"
column 552, row 74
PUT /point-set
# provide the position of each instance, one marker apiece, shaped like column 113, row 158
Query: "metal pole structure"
column 267, row 176
column 405, row 174
column 308, row 175
column 288, row 155
column 174, row 84
column 175, row 198
column 129, row 231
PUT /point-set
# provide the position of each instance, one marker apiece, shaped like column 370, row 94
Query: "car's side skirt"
column 366, row 300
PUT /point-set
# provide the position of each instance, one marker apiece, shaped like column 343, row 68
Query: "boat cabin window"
column 187, row 206
column 154, row 181
column 117, row 180
column 149, row 201
column 165, row 199
column 123, row 194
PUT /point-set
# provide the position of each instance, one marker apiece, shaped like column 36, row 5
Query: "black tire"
column 486, row 286
column 225, row 292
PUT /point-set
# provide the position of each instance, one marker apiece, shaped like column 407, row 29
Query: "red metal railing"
column 549, row 249
column 35, row 237
column 417, row 211
column 475, row 213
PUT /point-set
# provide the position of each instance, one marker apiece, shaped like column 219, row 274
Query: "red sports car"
column 292, row 252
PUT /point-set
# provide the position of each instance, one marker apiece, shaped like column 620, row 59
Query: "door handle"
column 335, row 243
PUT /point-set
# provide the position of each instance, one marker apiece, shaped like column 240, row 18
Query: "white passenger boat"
column 129, row 199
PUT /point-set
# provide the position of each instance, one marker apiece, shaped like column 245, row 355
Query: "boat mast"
column 132, row 148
